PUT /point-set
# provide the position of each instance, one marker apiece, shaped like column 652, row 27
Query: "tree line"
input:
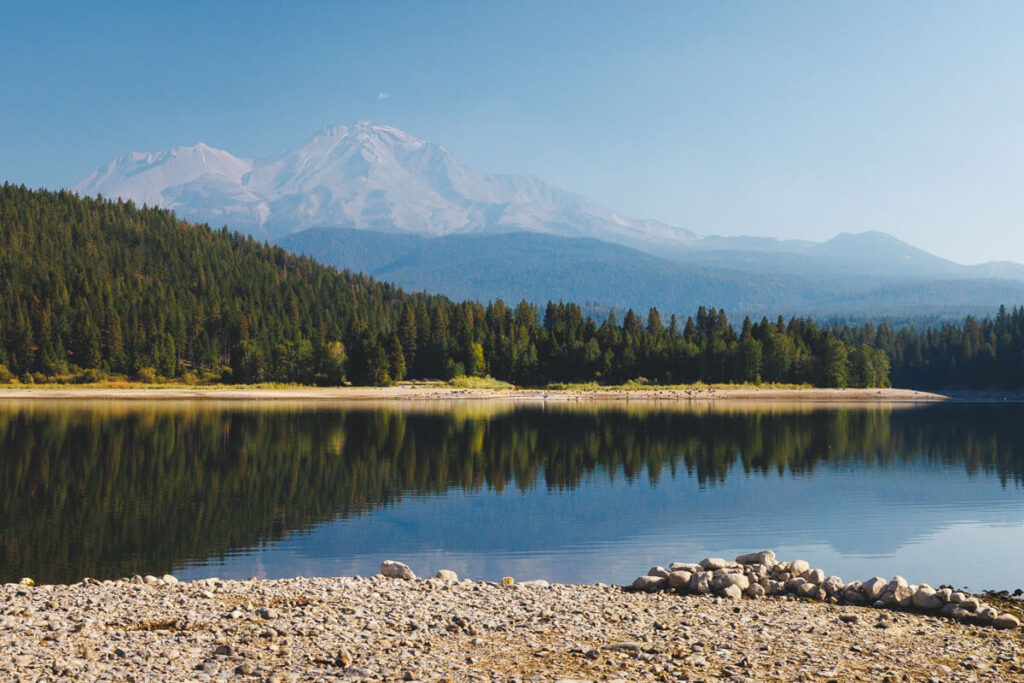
column 90, row 287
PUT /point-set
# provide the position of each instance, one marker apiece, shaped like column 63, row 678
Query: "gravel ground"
column 391, row 629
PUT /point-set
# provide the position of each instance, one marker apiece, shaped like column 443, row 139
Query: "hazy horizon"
column 793, row 120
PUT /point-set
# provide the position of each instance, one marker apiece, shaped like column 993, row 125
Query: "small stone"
column 732, row 592
column 447, row 575
column 986, row 614
column 26, row 582
column 396, row 570
column 507, row 581
column 684, row 567
column 224, row 650
column 169, row 579
column 658, row 571
column 1006, row 620
column 268, row 613
column 245, row 669
column 755, row 591
column 970, row 604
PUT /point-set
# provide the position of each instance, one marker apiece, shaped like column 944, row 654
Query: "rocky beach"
column 394, row 626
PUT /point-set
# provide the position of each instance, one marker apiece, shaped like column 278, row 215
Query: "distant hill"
column 416, row 215
column 826, row 280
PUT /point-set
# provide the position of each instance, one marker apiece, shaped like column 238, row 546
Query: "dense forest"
column 90, row 288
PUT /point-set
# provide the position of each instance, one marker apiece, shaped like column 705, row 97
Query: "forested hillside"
column 90, row 287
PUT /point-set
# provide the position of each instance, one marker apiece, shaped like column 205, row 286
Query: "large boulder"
column 799, row 567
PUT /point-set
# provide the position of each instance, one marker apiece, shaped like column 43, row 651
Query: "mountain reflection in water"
column 119, row 488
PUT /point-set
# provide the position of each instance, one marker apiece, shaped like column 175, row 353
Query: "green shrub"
column 147, row 375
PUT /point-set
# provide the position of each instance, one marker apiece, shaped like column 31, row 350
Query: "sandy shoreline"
column 428, row 392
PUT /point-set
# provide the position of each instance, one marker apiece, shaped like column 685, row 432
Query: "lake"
column 567, row 492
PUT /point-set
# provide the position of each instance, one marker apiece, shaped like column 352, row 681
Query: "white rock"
column 447, row 575
column 679, row 579
column 832, row 585
column 396, row 570
column 815, row 576
column 925, row 598
column 799, row 567
column 658, row 571
column 685, row 567
column 872, row 588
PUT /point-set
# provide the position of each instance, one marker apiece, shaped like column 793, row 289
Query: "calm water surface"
column 564, row 492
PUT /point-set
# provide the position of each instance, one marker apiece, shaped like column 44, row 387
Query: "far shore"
column 442, row 392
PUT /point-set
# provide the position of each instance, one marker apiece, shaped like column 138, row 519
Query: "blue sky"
column 789, row 119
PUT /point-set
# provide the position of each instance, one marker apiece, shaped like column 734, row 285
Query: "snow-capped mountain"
column 363, row 176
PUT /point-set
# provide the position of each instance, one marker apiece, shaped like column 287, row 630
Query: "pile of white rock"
column 758, row 575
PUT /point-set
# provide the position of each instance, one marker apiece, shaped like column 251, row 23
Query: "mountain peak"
column 369, row 176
